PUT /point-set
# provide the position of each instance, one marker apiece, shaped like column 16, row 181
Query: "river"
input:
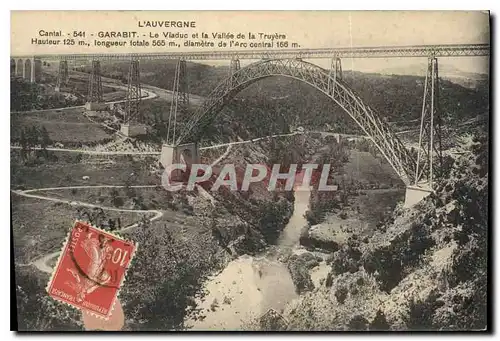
column 249, row 286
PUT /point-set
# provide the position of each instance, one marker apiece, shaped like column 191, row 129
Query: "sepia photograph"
column 250, row 170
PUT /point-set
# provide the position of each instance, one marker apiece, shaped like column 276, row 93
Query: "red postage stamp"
column 91, row 269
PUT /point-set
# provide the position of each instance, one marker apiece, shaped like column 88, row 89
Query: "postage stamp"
column 91, row 269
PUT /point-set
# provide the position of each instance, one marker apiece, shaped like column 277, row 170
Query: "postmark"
column 91, row 269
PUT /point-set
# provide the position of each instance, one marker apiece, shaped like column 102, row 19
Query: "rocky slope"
column 425, row 268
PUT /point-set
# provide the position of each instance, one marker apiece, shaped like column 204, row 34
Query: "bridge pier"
column 180, row 93
column 94, row 97
column 26, row 69
column 415, row 194
column 234, row 66
column 133, row 129
column 62, row 76
column 334, row 74
column 133, row 121
column 132, row 124
column 187, row 154
column 36, row 73
column 429, row 142
column 180, row 100
column 134, row 93
column 19, row 68
column 32, row 69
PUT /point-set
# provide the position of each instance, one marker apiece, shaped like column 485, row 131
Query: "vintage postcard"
column 250, row 171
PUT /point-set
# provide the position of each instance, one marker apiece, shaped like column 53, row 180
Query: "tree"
column 36, row 311
column 115, row 198
column 139, row 202
column 111, row 224
column 32, row 135
column 24, row 145
column 165, row 276
column 98, row 216
column 45, row 141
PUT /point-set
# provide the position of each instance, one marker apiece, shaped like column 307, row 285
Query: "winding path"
column 42, row 263
column 96, row 152
column 149, row 94
column 26, row 193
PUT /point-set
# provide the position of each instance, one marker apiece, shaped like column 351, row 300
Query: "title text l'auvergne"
column 166, row 23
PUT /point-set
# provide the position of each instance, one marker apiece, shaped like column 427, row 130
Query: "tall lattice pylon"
column 429, row 153
column 334, row 74
column 62, row 76
column 95, row 84
column 233, row 68
column 133, row 103
column 180, row 100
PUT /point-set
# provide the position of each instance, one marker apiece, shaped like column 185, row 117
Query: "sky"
column 310, row 29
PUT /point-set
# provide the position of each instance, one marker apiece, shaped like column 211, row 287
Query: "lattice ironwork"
column 380, row 132
column 180, row 100
column 95, row 84
column 62, row 75
column 429, row 153
column 335, row 73
column 234, row 66
column 442, row 50
column 132, row 106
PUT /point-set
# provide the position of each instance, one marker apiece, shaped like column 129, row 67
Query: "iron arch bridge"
column 330, row 84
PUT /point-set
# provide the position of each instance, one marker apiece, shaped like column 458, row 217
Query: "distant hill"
column 466, row 79
column 202, row 78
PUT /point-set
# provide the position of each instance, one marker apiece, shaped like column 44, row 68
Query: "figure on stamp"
column 98, row 252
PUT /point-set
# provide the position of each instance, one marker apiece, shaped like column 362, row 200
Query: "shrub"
column 358, row 322
column 299, row 270
column 341, row 295
column 379, row 322
column 36, row 311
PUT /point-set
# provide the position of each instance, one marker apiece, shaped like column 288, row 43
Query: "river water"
column 249, row 286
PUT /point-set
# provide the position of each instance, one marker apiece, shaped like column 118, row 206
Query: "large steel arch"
column 383, row 137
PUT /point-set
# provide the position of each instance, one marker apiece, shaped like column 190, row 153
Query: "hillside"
column 469, row 80
column 423, row 269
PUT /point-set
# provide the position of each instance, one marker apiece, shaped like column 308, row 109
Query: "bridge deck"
column 448, row 50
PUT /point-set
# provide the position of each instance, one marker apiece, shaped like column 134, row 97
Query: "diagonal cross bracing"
column 383, row 137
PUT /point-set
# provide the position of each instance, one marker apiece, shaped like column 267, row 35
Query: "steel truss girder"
column 372, row 125
column 429, row 142
column 133, row 103
column 441, row 50
column 62, row 75
column 95, row 84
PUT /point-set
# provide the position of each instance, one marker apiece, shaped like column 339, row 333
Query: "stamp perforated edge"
column 61, row 253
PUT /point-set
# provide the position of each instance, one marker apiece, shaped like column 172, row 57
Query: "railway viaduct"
column 418, row 171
